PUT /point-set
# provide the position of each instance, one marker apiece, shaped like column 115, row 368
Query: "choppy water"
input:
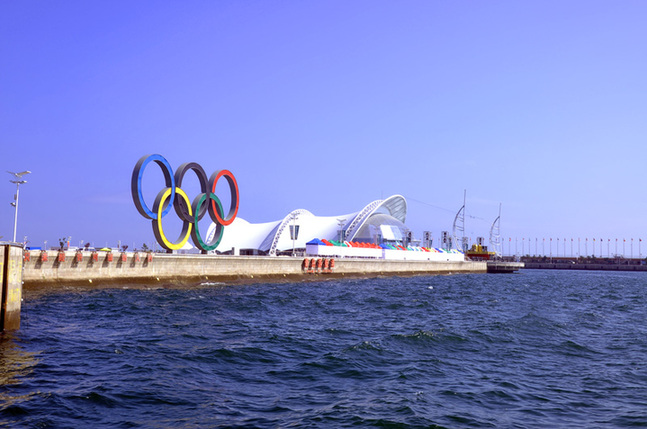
column 535, row 349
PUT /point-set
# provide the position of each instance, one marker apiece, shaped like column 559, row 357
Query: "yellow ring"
column 166, row 243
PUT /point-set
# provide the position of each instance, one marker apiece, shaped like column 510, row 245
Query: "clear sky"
column 538, row 105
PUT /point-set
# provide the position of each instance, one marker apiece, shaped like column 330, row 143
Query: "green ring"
column 195, row 232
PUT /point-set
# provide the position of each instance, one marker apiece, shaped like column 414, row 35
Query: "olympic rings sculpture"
column 190, row 213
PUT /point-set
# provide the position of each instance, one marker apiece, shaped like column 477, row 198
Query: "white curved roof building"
column 379, row 221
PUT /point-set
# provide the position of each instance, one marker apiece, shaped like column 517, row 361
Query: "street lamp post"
column 18, row 182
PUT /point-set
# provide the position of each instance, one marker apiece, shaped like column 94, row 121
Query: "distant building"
column 381, row 221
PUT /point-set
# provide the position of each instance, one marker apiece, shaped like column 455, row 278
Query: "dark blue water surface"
column 533, row 349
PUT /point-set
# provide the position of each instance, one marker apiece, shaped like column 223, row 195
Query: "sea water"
column 532, row 349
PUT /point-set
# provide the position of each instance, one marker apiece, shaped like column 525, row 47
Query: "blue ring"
column 136, row 184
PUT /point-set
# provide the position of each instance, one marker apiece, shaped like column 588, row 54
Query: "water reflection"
column 15, row 365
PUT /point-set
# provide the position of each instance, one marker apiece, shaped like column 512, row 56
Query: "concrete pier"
column 43, row 268
column 11, row 256
column 502, row 267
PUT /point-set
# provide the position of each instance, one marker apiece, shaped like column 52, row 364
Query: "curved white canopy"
column 274, row 237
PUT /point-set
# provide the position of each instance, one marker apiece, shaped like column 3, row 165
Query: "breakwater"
column 106, row 268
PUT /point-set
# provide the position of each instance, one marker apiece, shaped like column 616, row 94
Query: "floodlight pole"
column 15, row 216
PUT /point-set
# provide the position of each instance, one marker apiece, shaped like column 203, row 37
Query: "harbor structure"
column 11, row 279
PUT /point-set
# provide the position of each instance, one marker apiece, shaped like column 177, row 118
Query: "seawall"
column 597, row 267
column 100, row 268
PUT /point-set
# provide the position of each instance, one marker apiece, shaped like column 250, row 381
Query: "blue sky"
column 327, row 106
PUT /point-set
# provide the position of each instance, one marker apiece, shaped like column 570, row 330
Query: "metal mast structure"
column 495, row 235
column 458, row 230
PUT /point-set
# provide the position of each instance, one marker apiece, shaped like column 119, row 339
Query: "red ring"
column 233, row 187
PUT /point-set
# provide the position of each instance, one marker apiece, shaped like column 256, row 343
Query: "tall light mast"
column 18, row 182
